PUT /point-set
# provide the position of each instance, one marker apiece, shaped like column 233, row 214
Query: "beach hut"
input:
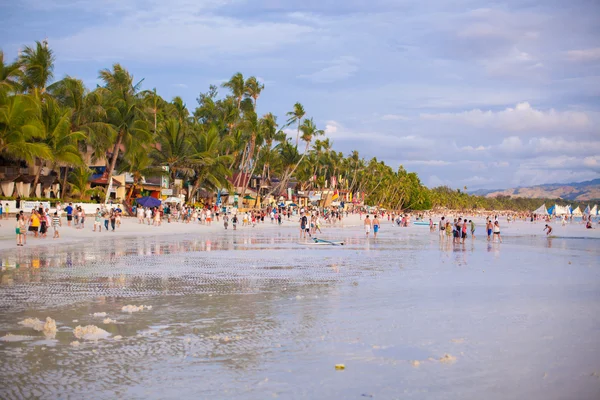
column 541, row 210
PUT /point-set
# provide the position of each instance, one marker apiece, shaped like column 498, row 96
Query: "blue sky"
column 477, row 93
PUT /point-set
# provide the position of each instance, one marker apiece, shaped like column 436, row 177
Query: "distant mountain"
column 577, row 191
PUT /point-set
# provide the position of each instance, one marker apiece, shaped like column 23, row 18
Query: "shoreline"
column 130, row 228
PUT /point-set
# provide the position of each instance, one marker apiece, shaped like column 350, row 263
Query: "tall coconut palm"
column 124, row 112
column 38, row 67
column 296, row 116
column 253, row 89
column 140, row 165
column 237, row 85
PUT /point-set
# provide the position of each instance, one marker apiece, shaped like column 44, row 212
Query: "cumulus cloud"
column 523, row 117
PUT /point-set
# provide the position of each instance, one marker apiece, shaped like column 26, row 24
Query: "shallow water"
column 253, row 314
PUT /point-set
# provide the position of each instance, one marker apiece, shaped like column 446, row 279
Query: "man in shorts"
column 549, row 229
column 368, row 225
column 375, row 226
column 98, row 220
column 69, row 210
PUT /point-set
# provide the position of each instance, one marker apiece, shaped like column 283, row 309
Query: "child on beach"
column 549, row 229
column 56, row 222
column 18, row 230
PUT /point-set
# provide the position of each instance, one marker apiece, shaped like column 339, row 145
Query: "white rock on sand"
column 90, row 332
column 131, row 308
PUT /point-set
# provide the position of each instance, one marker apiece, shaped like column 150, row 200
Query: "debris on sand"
column 415, row 363
column 90, row 332
column 48, row 327
column 99, row 314
column 109, row 321
column 448, row 359
column 131, row 308
column 340, row 366
column 14, row 338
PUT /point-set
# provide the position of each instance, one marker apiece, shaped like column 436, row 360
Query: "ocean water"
column 253, row 314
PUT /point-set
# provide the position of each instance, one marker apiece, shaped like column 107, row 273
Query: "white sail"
column 541, row 211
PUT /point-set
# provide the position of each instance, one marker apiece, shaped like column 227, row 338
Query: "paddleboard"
column 423, row 223
column 328, row 243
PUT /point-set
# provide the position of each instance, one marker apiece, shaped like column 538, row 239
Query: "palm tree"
column 209, row 162
column 9, row 76
column 124, row 112
column 38, row 67
column 296, row 116
column 253, row 89
column 59, row 137
column 173, row 148
column 237, row 86
column 140, row 165
column 20, row 128
column 79, row 180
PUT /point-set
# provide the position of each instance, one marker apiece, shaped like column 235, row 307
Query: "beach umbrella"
column 248, row 197
column 148, row 201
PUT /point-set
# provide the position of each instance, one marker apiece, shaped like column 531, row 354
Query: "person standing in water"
column 368, row 225
column 497, row 232
column 489, row 226
column 549, row 230
column 375, row 226
column 472, row 229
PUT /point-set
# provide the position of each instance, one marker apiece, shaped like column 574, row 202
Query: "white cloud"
column 520, row 118
column 430, row 163
column 394, row 117
column 584, row 55
column 170, row 35
column 337, row 70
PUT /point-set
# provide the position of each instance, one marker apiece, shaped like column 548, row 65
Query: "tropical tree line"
column 64, row 126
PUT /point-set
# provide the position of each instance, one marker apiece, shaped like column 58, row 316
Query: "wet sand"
column 254, row 314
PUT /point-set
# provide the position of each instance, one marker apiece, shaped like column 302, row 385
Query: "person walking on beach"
column 18, row 230
column 464, row 231
column 368, row 225
column 69, row 211
column 113, row 219
column 225, row 221
column 442, row 227
column 497, row 232
column 56, row 222
column 98, row 220
column 304, row 226
column 549, row 229
column 234, row 221
column 375, row 226
column 489, row 227
column 472, row 229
